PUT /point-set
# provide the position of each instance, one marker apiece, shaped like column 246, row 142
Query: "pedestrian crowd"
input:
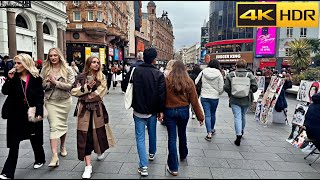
column 169, row 95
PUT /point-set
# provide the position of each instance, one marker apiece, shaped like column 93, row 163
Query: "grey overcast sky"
column 187, row 18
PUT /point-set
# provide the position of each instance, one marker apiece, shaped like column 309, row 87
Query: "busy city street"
column 159, row 90
column 264, row 152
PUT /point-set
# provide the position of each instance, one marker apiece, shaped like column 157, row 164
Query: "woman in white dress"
column 58, row 78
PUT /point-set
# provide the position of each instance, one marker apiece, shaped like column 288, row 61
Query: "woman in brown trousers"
column 90, row 87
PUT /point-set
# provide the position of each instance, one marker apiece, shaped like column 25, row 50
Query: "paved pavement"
column 263, row 153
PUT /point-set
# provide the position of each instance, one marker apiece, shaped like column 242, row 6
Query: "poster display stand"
column 298, row 134
column 265, row 106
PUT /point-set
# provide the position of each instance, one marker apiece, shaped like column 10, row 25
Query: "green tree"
column 301, row 50
column 315, row 45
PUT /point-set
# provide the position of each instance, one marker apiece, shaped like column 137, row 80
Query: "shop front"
column 229, row 60
column 80, row 52
column 268, row 62
column 286, row 62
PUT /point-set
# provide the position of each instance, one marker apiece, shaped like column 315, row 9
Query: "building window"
column 21, row 22
column 77, row 3
column 99, row 16
column 303, row 32
column 90, row 2
column 76, row 16
column 289, row 32
column 288, row 52
column 98, row 3
column 90, row 15
column 109, row 18
column 46, row 29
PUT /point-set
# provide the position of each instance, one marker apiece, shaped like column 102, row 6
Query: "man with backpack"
column 240, row 86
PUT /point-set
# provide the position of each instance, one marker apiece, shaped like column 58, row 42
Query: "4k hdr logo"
column 278, row 14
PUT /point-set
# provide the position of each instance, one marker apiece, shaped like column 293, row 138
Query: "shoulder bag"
column 129, row 92
column 32, row 110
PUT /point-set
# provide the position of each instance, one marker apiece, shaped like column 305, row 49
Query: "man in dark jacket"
column 136, row 64
column 240, row 105
column 312, row 120
column 149, row 96
column 9, row 64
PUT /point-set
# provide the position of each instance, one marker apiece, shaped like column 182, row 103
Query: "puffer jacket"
column 212, row 83
column 312, row 118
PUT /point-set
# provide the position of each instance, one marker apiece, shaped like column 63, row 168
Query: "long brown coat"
column 90, row 101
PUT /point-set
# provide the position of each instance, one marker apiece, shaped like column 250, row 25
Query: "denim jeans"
column 210, row 108
column 176, row 118
column 140, row 127
column 239, row 113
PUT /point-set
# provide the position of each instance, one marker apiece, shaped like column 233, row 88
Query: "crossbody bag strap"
column 131, row 74
column 24, row 92
column 200, row 76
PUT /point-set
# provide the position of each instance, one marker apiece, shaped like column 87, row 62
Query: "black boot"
column 238, row 140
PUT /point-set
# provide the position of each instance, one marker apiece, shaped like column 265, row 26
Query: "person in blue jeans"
column 211, row 89
column 181, row 91
column 240, row 106
column 147, row 104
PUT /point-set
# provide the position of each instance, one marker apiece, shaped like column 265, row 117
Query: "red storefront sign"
column 268, row 62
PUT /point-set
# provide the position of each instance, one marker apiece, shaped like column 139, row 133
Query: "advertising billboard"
column 203, row 53
column 265, row 41
column 120, row 55
column 204, row 32
column 116, row 54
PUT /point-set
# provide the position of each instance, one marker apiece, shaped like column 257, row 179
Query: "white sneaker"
column 101, row 157
column 3, row 176
column 87, row 172
column 37, row 165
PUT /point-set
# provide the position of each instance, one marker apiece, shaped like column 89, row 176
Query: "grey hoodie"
column 212, row 83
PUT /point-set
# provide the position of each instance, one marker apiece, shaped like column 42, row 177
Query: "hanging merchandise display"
column 269, row 99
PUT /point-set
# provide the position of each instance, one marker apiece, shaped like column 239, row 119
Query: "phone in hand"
column 89, row 79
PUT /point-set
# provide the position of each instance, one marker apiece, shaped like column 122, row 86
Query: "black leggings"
column 89, row 144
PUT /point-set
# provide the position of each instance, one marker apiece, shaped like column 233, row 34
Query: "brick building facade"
column 97, row 28
column 161, row 31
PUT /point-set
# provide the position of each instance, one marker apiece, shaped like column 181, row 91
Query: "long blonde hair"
column 28, row 63
column 48, row 65
column 87, row 70
column 170, row 64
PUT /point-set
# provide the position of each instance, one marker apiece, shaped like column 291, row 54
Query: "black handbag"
column 5, row 111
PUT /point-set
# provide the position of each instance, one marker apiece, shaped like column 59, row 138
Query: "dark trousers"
column 11, row 162
column 89, row 144
column 310, row 135
column 109, row 77
column 115, row 83
column 176, row 118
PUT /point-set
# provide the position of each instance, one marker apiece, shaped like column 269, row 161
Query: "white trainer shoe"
column 101, row 157
column 87, row 172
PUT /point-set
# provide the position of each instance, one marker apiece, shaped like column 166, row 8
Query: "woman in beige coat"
column 57, row 82
column 90, row 87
